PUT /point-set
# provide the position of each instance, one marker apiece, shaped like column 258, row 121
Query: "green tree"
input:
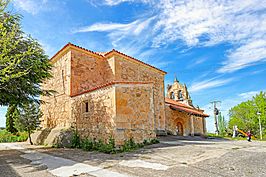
column 29, row 118
column 245, row 115
column 221, row 124
column 11, row 115
column 23, row 63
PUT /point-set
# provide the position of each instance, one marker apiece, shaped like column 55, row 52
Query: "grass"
column 215, row 136
column 6, row 136
column 236, row 138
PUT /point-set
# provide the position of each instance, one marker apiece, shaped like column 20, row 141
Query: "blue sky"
column 216, row 47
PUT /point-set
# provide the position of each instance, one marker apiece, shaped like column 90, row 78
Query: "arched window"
column 180, row 96
column 172, row 95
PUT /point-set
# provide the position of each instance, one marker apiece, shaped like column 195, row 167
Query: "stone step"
column 161, row 133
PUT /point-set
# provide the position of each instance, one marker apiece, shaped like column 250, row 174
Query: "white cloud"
column 118, row 29
column 216, row 20
column 210, row 83
column 31, row 6
column 129, row 38
column 49, row 50
column 245, row 55
column 196, row 62
column 210, row 22
column 115, row 2
column 248, row 95
column 105, row 27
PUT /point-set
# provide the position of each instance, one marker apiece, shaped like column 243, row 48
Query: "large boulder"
column 58, row 137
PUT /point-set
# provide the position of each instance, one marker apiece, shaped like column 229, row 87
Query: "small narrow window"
column 86, row 106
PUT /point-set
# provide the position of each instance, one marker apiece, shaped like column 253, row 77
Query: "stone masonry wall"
column 198, row 125
column 126, row 70
column 88, row 71
column 134, row 112
column 98, row 122
column 175, row 116
column 56, row 109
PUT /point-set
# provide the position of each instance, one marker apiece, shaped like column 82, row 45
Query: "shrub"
column 6, row 136
column 150, row 141
column 75, row 142
column 155, row 141
column 109, row 148
column 87, row 144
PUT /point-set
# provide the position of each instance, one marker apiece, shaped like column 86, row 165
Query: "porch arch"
column 180, row 128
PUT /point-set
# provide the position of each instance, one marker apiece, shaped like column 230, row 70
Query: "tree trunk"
column 30, row 137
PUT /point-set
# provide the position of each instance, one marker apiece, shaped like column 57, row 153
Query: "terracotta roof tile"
column 170, row 101
column 185, row 108
column 104, row 54
column 73, row 45
column 115, row 51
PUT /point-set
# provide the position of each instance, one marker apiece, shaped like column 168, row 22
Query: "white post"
column 234, row 131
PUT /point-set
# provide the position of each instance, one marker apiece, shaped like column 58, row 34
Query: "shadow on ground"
column 96, row 158
column 9, row 158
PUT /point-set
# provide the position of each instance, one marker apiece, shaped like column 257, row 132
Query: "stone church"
column 103, row 94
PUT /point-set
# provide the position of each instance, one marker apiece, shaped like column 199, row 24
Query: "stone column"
column 191, row 125
column 203, row 125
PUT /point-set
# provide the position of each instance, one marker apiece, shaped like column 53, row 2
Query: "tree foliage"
column 23, row 63
column 11, row 115
column 245, row 115
column 222, row 126
column 29, row 118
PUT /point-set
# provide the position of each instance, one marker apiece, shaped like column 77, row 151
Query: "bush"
column 87, row 145
column 6, row 136
column 75, row 142
column 128, row 145
column 109, row 148
column 155, row 141
column 150, row 141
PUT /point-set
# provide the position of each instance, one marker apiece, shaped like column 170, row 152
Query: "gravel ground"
column 174, row 156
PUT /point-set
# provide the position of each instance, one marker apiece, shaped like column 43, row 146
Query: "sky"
column 216, row 47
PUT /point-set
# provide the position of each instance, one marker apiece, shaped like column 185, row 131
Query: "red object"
column 249, row 134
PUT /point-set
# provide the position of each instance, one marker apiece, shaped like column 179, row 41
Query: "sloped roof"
column 68, row 45
column 185, row 108
column 103, row 55
column 132, row 58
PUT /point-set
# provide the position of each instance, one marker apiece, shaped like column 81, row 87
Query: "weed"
column 110, row 147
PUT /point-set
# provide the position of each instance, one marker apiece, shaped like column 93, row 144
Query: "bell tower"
column 179, row 92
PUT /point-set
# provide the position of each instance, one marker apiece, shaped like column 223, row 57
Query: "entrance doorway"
column 179, row 129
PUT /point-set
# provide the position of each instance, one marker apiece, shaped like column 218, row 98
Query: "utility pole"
column 215, row 113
